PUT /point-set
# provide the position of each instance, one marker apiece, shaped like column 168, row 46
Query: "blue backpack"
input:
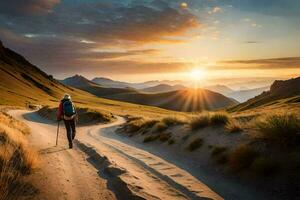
column 68, row 109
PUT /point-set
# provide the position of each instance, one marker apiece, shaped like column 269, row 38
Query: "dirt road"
column 99, row 167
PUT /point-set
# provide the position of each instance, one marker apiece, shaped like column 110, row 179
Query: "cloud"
column 215, row 10
column 272, row 63
column 27, row 7
column 106, row 23
column 252, row 42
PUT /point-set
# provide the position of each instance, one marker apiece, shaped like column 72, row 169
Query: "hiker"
column 67, row 112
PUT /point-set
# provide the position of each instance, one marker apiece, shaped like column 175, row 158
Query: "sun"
column 196, row 74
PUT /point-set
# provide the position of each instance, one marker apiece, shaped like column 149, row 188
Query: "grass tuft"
column 172, row 121
column 150, row 138
column 195, row 144
column 200, row 122
column 280, row 128
column 16, row 159
column 241, row 157
column 217, row 150
column 160, row 127
column 171, row 141
column 264, row 166
column 163, row 137
column 219, row 119
column 233, row 126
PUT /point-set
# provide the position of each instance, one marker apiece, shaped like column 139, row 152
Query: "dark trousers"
column 71, row 129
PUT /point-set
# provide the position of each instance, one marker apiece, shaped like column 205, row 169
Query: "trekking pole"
column 57, row 133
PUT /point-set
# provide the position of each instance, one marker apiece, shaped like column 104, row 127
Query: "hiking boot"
column 70, row 145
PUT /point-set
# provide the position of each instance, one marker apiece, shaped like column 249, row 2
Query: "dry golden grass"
column 195, row 144
column 233, row 126
column 16, row 158
column 241, row 157
column 86, row 115
column 281, row 128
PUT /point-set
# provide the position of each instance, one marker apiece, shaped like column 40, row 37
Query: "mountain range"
column 281, row 91
column 179, row 99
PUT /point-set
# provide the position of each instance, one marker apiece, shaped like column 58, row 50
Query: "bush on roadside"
column 280, row 128
column 217, row 150
column 219, row 119
column 200, row 122
column 195, row 144
column 16, row 159
column 264, row 166
column 241, row 157
column 172, row 121
column 160, row 126
column 233, row 126
column 171, row 141
column 163, row 137
column 150, row 138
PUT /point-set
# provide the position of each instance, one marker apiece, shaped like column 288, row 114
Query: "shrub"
column 264, row 166
column 150, row 138
column 171, row 141
column 16, row 160
column 195, row 144
column 199, row 122
column 241, row 157
column 160, row 126
column 219, row 119
column 172, row 121
column 221, row 158
column 164, row 137
column 217, row 150
column 184, row 138
column 149, row 123
column 281, row 128
column 233, row 126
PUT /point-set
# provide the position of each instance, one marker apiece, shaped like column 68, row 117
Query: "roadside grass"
column 160, row 126
column 219, row 118
column 150, row 138
column 173, row 121
column 283, row 129
column 86, row 115
column 200, row 121
column 233, row 126
column 195, row 144
column 163, row 137
column 16, row 159
column 205, row 120
column 217, row 150
column 241, row 157
column 171, row 141
column 264, row 166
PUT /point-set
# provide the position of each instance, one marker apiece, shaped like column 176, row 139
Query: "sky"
column 219, row 41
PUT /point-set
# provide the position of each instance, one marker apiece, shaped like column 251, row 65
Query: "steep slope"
column 163, row 88
column 287, row 91
column 23, row 83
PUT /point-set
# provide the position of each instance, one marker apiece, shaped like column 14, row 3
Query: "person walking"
column 67, row 112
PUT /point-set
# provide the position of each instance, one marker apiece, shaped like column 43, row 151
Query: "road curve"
column 103, row 168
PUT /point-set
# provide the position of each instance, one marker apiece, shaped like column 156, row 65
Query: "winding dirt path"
column 102, row 168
